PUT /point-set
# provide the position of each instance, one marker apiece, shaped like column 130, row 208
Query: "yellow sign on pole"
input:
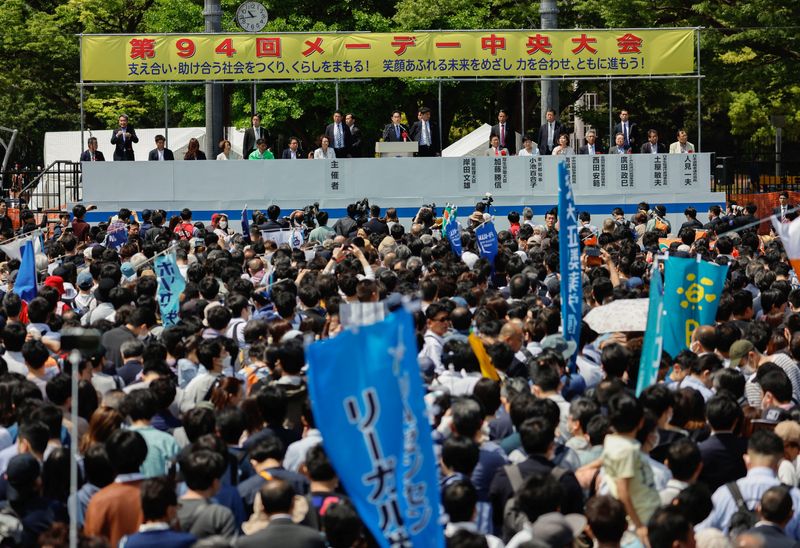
column 312, row 56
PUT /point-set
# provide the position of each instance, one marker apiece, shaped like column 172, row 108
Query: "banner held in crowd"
column 376, row 431
column 170, row 286
column 654, row 334
column 691, row 297
column 452, row 231
column 569, row 249
column 790, row 237
column 486, row 236
column 245, row 224
column 26, row 285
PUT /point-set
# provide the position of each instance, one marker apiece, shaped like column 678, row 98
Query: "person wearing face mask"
column 219, row 221
column 213, row 356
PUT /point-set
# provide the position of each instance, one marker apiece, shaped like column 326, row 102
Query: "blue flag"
column 453, row 233
column 117, row 236
column 25, row 285
column 245, row 224
column 654, row 335
column 691, row 299
column 486, row 235
column 170, row 286
column 569, row 250
column 367, row 399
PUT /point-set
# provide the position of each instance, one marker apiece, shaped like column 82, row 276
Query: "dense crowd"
column 201, row 432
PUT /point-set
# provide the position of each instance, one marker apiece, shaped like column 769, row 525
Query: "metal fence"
column 51, row 188
column 754, row 172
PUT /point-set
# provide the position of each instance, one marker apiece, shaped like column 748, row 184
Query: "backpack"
column 661, row 225
column 513, row 517
column 10, row 527
column 744, row 518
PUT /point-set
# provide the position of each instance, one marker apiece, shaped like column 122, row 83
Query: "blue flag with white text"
column 453, row 233
column 486, row 236
column 654, row 335
column 367, row 398
column 691, row 298
column 245, row 224
column 170, row 286
column 569, row 250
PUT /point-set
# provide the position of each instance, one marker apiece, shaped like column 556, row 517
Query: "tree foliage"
column 750, row 51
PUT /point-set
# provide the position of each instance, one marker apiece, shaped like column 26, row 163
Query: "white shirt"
column 221, row 156
column 296, row 452
column 160, row 154
column 534, row 152
column 320, row 154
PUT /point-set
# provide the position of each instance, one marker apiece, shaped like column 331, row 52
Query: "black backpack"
column 744, row 518
column 513, row 517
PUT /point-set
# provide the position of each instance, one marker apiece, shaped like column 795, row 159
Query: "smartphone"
column 593, row 257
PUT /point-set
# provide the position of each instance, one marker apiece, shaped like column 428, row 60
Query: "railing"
column 754, row 173
column 48, row 189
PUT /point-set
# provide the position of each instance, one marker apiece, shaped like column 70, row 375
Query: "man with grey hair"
column 132, row 351
column 527, row 216
column 591, row 147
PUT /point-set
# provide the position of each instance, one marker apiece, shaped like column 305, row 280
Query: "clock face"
column 252, row 16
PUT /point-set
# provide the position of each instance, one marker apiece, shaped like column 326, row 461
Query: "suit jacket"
column 544, row 146
column 774, row 536
column 153, row 156
column 287, row 154
column 613, row 150
column 597, row 149
column 633, row 133
column 511, row 137
column 416, row 134
column 124, row 150
column 791, row 216
column 355, row 148
column 647, row 148
column 86, row 156
column 249, row 143
column 494, row 152
column 347, row 137
column 722, row 455
column 675, row 148
column 390, row 135
column 282, row 532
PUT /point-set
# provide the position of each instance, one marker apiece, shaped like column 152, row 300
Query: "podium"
column 393, row 149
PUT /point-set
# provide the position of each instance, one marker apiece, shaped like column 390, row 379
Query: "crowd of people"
column 200, row 432
column 342, row 138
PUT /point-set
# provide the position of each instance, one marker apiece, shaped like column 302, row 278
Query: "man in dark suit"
column 652, row 146
column 339, row 136
column 549, row 133
column 160, row 153
column 91, row 154
column 591, row 147
column 277, row 497
column 123, row 138
column 253, row 134
column 776, row 511
column 629, row 130
column 723, row 452
column 355, row 132
column 395, row 132
column 505, row 132
column 293, row 152
column 426, row 134
column 784, row 211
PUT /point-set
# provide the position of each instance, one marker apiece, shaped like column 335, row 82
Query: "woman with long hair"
column 226, row 392
column 225, row 147
column 193, row 152
column 104, row 422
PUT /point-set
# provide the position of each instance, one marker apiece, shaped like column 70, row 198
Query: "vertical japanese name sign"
column 569, row 249
column 691, row 298
column 170, row 287
column 367, row 398
column 654, row 335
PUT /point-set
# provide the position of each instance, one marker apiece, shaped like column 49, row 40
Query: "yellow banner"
column 312, row 56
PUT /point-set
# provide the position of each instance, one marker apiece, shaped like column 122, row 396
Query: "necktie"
column 625, row 129
column 424, row 134
column 549, row 135
column 93, row 156
column 502, row 135
column 397, row 131
column 123, row 136
column 338, row 136
column 591, row 149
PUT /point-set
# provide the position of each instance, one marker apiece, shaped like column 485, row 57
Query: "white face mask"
column 226, row 361
column 223, row 225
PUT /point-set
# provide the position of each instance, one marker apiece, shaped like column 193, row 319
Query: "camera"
column 361, row 212
column 432, row 207
column 310, row 215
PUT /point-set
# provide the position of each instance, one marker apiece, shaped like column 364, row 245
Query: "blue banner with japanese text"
column 367, row 398
column 453, row 233
column 691, row 297
column 569, row 249
column 486, row 235
column 170, row 286
column 654, row 335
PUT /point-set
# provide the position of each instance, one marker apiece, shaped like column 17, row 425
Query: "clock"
column 252, row 16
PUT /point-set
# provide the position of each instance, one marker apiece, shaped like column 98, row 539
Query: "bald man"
column 513, row 335
column 704, row 340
